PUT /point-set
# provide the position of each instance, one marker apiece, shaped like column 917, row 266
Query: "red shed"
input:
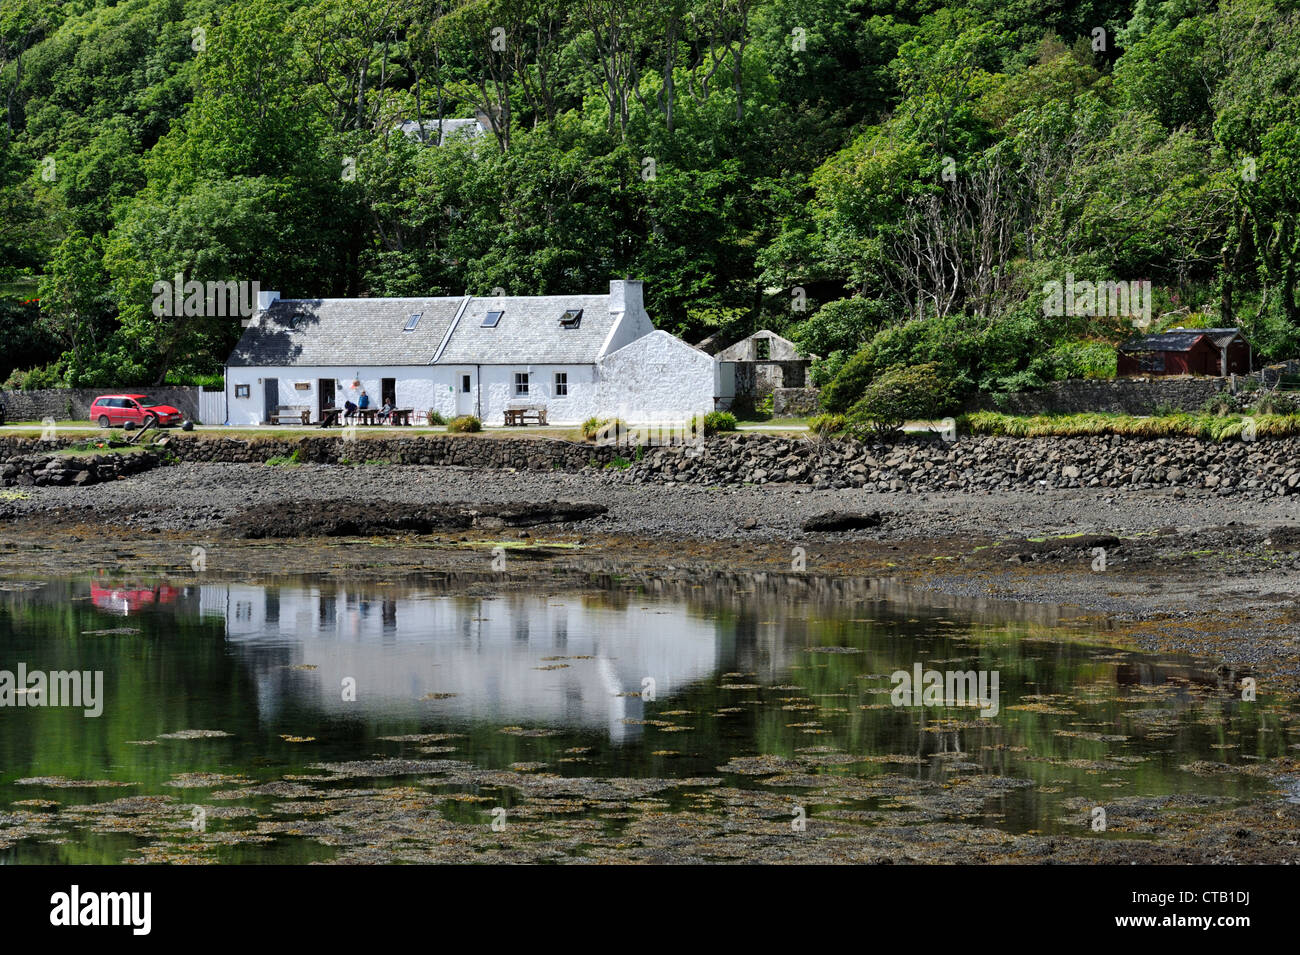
column 1187, row 351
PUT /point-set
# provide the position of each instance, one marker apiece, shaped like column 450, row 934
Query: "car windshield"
column 144, row 401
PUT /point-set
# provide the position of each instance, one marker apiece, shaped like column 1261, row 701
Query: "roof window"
column 572, row 318
column 491, row 319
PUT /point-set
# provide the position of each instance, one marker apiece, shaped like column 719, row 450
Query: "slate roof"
column 345, row 331
column 1180, row 340
column 530, row 332
column 1222, row 336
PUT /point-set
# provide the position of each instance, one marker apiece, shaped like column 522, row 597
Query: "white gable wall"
column 656, row 378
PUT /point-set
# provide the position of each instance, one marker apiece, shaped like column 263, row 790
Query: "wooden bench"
column 300, row 413
column 519, row 417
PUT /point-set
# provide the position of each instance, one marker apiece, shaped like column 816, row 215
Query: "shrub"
column 465, row 424
column 717, row 421
column 604, row 430
column 1081, row 359
column 904, row 394
column 436, row 417
column 1221, row 404
column 828, row 424
column 45, row 376
column 1273, row 403
column 988, row 356
column 842, row 325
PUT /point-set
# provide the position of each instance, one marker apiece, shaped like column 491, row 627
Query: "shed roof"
column 1182, row 339
column 345, row 331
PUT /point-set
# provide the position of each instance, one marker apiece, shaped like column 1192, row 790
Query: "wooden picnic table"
column 370, row 416
column 520, row 416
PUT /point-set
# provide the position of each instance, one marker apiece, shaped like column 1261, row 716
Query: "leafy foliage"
column 886, row 184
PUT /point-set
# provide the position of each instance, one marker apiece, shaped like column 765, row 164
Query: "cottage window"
column 413, row 321
column 491, row 319
column 521, row 384
column 241, row 391
column 464, row 384
column 762, row 349
column 571, row 319
column 561, row 384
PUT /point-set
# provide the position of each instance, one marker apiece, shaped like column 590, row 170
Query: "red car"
column 116, row 410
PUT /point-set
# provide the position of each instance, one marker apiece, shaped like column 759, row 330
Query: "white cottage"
column 577, row 356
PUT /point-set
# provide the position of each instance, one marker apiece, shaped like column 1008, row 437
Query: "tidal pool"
column 313, row 720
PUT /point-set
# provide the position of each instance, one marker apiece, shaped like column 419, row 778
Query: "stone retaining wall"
column 975, row 464
column 525, row 454
column 1139, row 396
column 73, row 404
column 914, row 464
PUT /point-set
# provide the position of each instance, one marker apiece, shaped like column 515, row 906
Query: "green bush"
column 1275, row 404
column 842, row 325
column 605, row 430
column 1220, row 404
column 828, row 424
column 45, row 376
column 717, row 421
column 988, row 356
column 918, row 392
column 465, row 424
column 436, row 417
column 1080, row 359
column 183, row 378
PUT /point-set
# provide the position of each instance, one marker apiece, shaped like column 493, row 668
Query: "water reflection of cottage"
column 565, row 660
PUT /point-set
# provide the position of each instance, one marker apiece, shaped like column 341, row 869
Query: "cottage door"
column 270, row 398
column 325, row 395
column 465, row 393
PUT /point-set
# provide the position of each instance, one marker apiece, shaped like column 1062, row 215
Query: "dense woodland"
column 890, row 183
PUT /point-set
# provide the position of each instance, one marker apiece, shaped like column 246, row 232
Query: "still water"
column 212, row 688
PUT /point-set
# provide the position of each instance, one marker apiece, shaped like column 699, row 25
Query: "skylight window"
column 491, row 318
column 572, row 318
column 413, row 321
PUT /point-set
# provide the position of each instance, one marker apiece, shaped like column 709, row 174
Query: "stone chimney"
column 264, row 300
column 625, row 296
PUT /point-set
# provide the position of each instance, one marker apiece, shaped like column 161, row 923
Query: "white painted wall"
column 657, row 377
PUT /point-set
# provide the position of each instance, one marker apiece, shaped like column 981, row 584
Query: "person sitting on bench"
column 386, row 412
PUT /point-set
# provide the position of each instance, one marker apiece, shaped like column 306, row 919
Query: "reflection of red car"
column 126, row 600
column 110, row 411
